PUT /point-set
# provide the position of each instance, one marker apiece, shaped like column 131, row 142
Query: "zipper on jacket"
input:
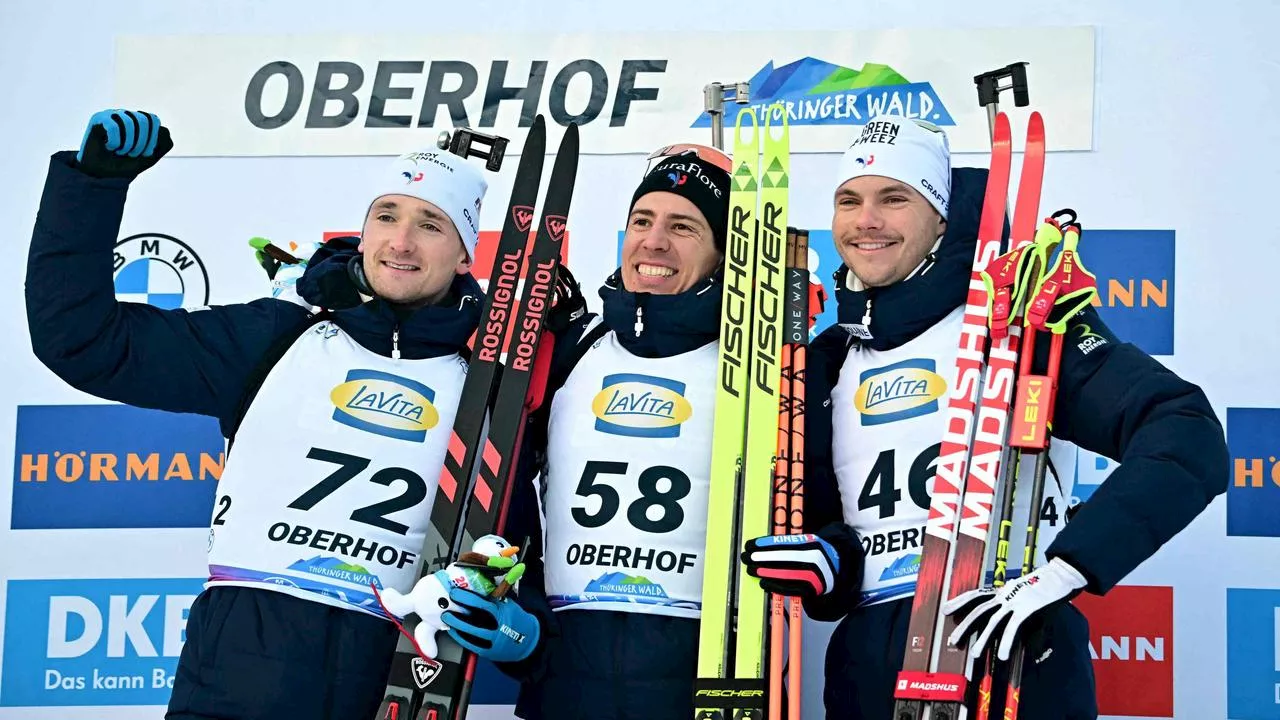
column 639, row 321
column 861, row 331
column 395, row 343
column 929, row 261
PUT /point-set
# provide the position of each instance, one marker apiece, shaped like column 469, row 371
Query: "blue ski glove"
column 803, row 566
column 496, row 630
column 122, row 144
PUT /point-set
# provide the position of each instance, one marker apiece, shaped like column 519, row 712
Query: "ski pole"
column 1008, row 283
column 800, row 290
column 1063, row 292
column 788, row 508
column 781, row 501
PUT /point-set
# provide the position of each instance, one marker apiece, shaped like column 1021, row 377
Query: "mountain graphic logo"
column 816, row 92
column 616, row 583
column 902, row 567
column 336, row 569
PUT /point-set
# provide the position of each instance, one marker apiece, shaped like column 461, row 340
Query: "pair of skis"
column 746, row 461
column 476, row 481
column 987, row 430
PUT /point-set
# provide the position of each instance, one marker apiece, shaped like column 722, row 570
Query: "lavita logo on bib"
column 643, row 406
column 385, row 404
column 903, row 390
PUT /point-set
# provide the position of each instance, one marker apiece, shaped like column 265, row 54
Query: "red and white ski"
column 934, row 678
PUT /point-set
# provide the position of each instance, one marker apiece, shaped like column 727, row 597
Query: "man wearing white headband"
column 905, row 225
column 339, row 419
column 422, row 226
column 909, row 168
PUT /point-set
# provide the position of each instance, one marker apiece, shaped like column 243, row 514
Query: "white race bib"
column 889, row 413
column 327, row 491
column 625, row 490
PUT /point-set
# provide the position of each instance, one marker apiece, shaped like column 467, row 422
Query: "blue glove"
column 804, row 566
column 122, row 144
column 496, row 630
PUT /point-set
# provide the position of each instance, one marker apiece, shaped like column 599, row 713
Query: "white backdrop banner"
column 376, row 95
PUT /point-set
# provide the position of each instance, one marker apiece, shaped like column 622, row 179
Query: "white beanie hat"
column 443, row 179
column 910, row 151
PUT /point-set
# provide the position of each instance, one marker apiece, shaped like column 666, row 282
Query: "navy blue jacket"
column 1115, row 400
column 201, row 361
column 599, row 663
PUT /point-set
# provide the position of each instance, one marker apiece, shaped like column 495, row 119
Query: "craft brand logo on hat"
column 910, row 151
column 445, row 180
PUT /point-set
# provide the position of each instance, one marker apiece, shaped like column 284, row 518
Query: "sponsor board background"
column 642, row 84
column 1173, row 150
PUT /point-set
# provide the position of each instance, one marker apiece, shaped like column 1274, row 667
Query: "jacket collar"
column 652, row 326
column 385, row 328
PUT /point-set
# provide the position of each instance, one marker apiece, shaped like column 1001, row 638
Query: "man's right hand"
column 122, row 144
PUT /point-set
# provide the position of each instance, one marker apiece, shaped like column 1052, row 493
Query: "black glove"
column 569, row 303
column 122, row 144
column 803, row 566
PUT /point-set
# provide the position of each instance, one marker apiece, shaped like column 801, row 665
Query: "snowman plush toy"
column 490, row 569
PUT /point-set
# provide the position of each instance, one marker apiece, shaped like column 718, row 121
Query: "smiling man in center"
column 622, row 443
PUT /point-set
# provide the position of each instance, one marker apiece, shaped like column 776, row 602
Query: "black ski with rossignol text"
column 474, row 486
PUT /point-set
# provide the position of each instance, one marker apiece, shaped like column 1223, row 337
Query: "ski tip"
column 568, row 150
column 773, row 112
column 1035, row 128
column 1002, row 130
column 746, row 137
column 535, row 146
column 776, row 131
